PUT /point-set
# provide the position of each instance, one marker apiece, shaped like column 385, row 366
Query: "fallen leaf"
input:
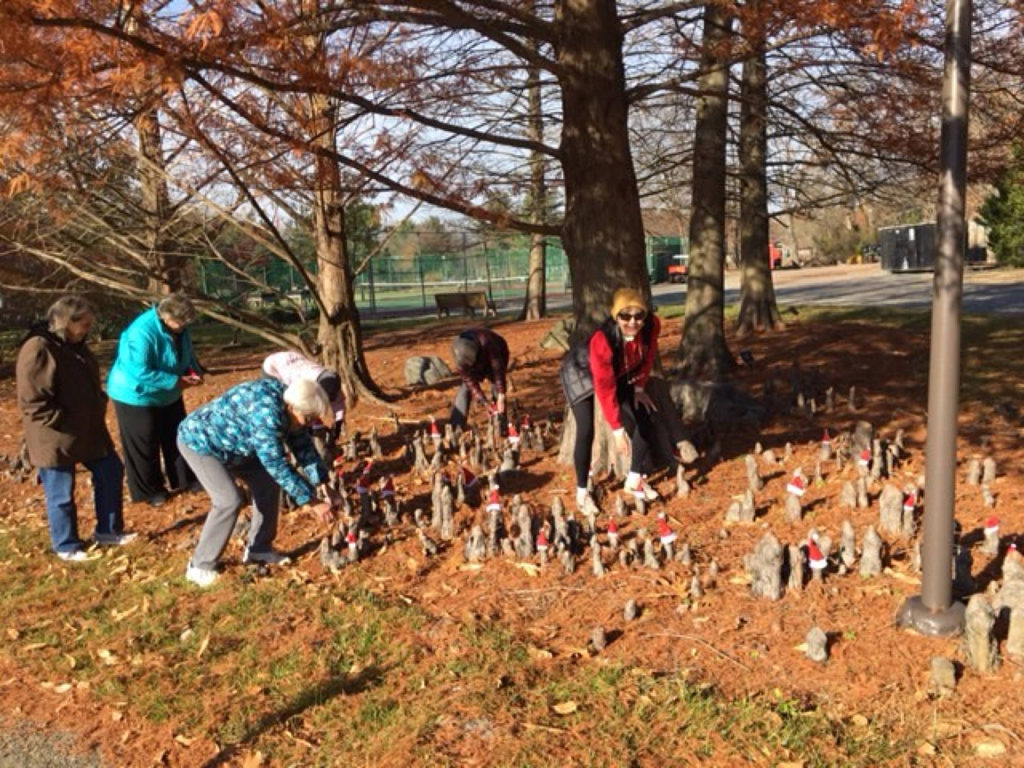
column 120, row 616
column 34, row 646
column 202, row 646
column 905, row 578
column 62, row 688
column 253, row 760
column 183, row 740
column 12, row 633
column 117, row 716
column 538, row 653
column 530, row 568
column 565, row 707
column 989, row 748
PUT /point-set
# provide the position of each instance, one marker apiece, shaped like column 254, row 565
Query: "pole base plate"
column 914, row 615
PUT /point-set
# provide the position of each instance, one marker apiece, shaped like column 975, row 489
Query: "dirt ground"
column 744, row 645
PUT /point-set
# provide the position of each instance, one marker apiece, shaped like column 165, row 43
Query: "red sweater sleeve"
column 602, row 371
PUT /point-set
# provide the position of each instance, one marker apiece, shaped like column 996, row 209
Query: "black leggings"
column 149, row 432
column 637, row 423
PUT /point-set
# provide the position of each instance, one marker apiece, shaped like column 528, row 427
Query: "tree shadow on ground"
column 315, row 696
column 191, row 521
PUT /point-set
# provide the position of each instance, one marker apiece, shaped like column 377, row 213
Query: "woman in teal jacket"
column 155, row 362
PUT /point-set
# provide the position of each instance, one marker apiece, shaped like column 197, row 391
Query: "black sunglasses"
column 635, row 316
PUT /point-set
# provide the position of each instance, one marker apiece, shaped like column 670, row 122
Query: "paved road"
column 985, row 291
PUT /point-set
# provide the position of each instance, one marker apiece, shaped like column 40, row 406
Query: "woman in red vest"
column 621, row 355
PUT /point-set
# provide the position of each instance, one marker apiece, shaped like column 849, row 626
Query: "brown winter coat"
column 63, row 407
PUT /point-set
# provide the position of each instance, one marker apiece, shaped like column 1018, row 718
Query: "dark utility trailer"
column 911, row 248
column 907, row 248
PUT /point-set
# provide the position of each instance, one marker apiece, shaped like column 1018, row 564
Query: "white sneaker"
column 202, row 577
column 586, row 505
column 270, row 557
column 641, row 490
column 114, row 539
column 75, row 556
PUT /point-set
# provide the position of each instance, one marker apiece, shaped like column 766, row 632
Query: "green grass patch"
column 307, row 674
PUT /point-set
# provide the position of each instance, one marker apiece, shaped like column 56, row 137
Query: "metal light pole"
column 935, row 612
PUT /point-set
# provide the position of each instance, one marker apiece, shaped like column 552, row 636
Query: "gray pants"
column 460, row 408
column 225, row 502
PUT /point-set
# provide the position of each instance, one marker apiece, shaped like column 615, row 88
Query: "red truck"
column 678, row 268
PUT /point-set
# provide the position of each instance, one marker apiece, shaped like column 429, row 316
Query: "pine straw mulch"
column 743, row 648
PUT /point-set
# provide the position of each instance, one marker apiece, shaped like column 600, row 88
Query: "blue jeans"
column 61, row 511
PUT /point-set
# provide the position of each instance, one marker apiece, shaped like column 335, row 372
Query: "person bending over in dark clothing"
column 479, row 354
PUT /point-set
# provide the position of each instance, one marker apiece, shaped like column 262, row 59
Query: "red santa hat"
column 493, row 502
column 513, row 434
column 542, row 541
column 666, row 533
column 797, row 485
column 825, row 439
column 815, row 558
column 992, row 525
column 387, row 487
column 351, row 539
column 910, row 502
column 363, row 483
column 468, row 478
column 865, row 457
column 435, row 433
column 613, row 527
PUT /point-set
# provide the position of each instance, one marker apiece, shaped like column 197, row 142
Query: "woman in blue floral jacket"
column 246, row 433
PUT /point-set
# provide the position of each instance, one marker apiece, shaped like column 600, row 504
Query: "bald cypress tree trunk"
column 758, row 310
column 339, row 333
column 602, row 231
column 704, row 352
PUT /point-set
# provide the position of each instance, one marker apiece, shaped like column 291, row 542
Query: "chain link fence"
column 405, row 278
column 397, row 284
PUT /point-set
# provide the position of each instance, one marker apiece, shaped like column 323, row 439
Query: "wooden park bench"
column 470, row 302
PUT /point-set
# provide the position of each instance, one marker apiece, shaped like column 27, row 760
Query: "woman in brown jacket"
column 63, row 410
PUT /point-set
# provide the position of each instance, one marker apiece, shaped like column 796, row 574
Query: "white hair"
column 307, row 397
column 66, row 310
column 176, row 308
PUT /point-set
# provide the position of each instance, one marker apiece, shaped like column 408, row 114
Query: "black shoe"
column 157, row 500
column 194, row 487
